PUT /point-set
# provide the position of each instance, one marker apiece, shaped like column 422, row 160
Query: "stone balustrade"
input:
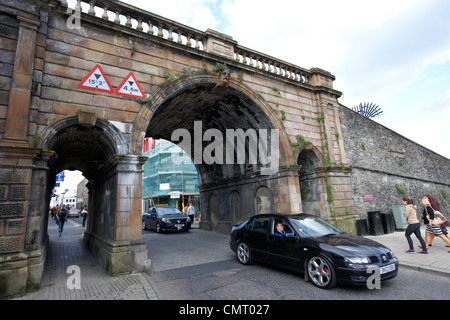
column 209, row 41
column 271, row 64
column 140, row 20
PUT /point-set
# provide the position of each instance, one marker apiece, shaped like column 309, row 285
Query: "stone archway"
column 311, row 189
column 263, row 200
column 99, row 150
column 194, row 105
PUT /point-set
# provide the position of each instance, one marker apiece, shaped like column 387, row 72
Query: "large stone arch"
column 171, row 89
column 195, row 99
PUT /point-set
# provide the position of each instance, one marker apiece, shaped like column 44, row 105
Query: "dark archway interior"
column 80, row 148
column 216, row 110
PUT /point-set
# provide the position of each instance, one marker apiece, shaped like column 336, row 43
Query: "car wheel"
column 321, row 272
column 158, row 227
column 144, row 226
column 243, row 253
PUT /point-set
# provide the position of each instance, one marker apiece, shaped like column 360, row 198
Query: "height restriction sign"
column 130, row 88
column 96, row 80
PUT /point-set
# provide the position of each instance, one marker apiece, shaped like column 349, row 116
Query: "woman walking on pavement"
column 435, row 205
column 413, row 225
column 432, row 230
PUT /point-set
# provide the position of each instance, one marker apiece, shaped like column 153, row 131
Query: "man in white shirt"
column 191, row 212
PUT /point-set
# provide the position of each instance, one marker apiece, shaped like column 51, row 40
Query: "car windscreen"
column 312, row 227
column 168, row 210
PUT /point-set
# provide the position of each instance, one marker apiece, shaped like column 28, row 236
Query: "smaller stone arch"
column 310, row 187
column 263, row 200
column 99, row 150
column 82, row 142
column 86, row 120
column 234, row 201
column 308, row 158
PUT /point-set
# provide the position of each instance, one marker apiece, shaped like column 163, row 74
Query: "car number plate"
column 388, row 268
column 179, row 226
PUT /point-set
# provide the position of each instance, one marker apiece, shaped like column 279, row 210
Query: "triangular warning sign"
column 96, row 80
column 130, row 88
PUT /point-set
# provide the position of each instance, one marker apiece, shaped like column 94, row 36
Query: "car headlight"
column 357, row 260
column 392, row 255
column 165, row 220
column 188, row 219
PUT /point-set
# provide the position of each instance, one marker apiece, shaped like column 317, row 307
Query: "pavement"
column 436, row 261
column 97, row 284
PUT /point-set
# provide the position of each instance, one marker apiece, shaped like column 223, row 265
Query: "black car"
column 314, row 247
column 165, row 219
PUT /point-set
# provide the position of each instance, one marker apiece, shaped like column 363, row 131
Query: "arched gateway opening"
column 223, row 130
column 99, row 150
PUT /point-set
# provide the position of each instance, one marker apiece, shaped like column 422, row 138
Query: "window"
column 259, row 224
column 286, row 227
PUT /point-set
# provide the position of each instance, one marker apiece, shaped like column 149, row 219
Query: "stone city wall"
column 387, row 166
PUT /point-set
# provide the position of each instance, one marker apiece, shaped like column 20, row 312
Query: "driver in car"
column 279, row 230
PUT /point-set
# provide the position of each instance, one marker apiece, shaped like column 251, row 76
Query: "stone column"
column 21, row 248
column 21, row 85
column 114, row 234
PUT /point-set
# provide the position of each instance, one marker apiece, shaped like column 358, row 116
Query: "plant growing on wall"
column 399, row 190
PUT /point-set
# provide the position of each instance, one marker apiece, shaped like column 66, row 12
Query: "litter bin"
column 400, row 220
column 388, row 222
column 375, row 223
column 361, row 227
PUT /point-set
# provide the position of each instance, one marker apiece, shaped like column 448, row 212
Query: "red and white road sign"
column 130, row 87
column 96, row 80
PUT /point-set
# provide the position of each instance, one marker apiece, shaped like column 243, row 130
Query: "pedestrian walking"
column 84, row 214
column 61, row 217
column 413, row 225
column 191, row 212
column 54, row 210
column 435, row 205
column 432, row 219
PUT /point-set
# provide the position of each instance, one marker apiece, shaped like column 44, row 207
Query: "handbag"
column 439, row 218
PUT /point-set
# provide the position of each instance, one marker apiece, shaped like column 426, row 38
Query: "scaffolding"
column 167, row 170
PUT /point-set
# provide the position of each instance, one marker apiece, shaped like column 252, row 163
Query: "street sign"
column 175, row 194
column 164, row 186
column 96, row 80
column 60, row 177
column 130, row 87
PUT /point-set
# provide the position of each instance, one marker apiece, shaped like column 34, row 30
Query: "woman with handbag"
column 436, row 207
column 413, row 225
column 433, row 223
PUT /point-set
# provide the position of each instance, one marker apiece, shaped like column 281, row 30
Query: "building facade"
column 169, row 178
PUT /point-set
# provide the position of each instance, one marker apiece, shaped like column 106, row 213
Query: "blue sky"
column 395, row 54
